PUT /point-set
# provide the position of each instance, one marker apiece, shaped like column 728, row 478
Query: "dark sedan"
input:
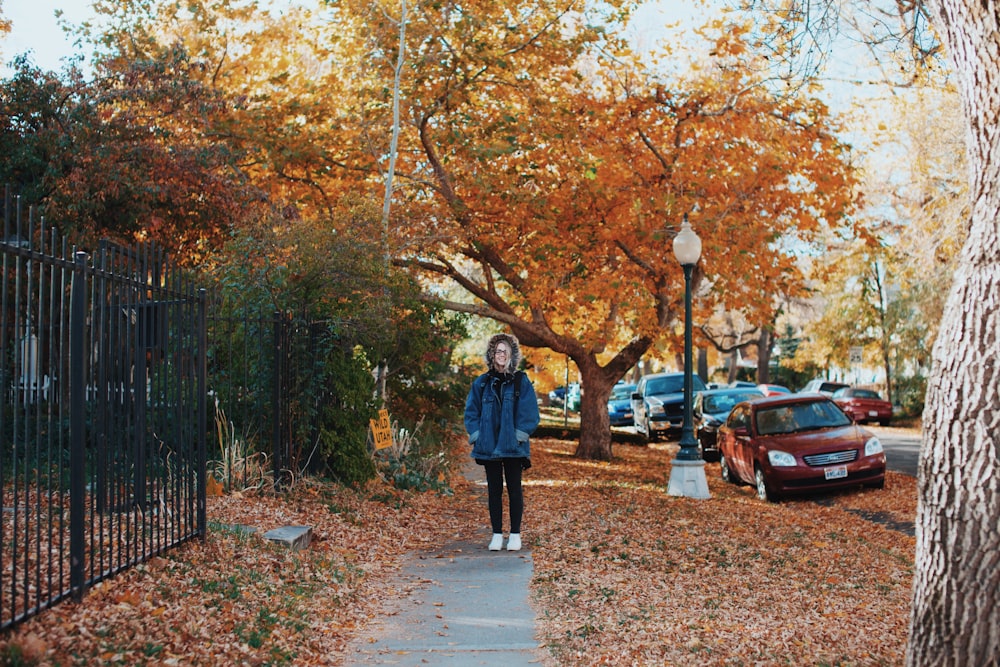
column 709, row 412
column 803, row 442
column 620, row 405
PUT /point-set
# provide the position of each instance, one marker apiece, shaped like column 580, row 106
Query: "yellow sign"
column 381, row 430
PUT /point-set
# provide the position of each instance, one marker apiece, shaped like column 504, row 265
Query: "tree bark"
column 595, row 424
column 734, row 365
column 956, row 596
column 764, row 345
column 701, row 366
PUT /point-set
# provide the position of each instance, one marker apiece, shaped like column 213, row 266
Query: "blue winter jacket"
column 489, row 416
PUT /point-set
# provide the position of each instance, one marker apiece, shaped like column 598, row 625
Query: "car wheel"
column 727, row 474
column 876, row 485
column 883, row 422
column 650, row 433
column 764, row 492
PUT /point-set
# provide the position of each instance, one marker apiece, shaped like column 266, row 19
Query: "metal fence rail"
column 260, row 366
column 102, row 413
column 248, row 388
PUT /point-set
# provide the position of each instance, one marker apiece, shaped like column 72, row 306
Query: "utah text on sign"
column 381, row 430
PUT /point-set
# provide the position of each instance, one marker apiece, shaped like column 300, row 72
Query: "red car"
column 797, row 443
column 773, row 389
column 863, row 405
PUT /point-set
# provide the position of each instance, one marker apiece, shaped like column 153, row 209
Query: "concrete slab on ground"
column 470, row 606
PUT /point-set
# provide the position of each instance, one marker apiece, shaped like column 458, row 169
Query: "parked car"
column 620, row 404
column 795, row 444
column 711, row 408
column 824, row 387
column 573, row 398
column 658, row 403
column 863, row 405
column 557, row 395
column 773, row 389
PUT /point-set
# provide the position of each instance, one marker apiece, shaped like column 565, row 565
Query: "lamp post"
column 687, row 471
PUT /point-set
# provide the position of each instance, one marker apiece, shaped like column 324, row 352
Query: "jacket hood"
column 515, row 351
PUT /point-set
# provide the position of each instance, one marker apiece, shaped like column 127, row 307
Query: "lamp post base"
column 687, row 478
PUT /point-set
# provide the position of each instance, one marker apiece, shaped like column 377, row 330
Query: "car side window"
column 738, row 418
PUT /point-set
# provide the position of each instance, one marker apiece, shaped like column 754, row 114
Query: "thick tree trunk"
column 595, row 425
column 956, row 594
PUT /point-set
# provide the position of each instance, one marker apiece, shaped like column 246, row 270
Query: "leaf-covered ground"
column 624, row 574
column 627, row 575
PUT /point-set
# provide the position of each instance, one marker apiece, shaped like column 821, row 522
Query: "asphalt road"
column 902, row 447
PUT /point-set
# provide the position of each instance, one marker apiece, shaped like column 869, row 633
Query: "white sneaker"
column 497, row 542
column 514, row 542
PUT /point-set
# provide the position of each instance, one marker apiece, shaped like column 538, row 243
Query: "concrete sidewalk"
column 469, row 607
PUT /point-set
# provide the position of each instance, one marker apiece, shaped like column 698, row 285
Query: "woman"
column 501, row 413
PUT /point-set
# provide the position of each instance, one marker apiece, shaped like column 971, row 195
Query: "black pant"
column 495, row 473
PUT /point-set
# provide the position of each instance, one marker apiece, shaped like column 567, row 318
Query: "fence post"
column 278, row 370
column 202, row 408
column 77, row 455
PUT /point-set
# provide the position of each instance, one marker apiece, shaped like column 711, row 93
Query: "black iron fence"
column 104, row 416
column 265, row 385
column 250, row 365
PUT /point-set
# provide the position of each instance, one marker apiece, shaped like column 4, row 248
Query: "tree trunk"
column 764, row 344
column 956, row 595
column 885, row 338
column 734, row 365
column 595, row 425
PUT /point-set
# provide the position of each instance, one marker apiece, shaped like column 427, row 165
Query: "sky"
column 35, row 27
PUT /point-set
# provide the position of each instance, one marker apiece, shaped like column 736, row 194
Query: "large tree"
column 956, row 615
column 541, row 167
column 545, row 171
column 956, row 611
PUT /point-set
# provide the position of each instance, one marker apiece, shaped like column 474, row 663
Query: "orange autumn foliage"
column 544, row 170
column 542, row 166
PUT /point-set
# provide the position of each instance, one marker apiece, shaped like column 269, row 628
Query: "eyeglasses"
column 502, row 351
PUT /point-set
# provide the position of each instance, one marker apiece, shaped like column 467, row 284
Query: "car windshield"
column 725, row 402
column 622, row 391
column 800, row 417
column 673, row 384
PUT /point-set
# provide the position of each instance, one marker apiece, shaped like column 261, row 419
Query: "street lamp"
column 687, row 471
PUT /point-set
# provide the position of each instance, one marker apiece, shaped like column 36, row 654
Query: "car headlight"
column 657, row 409
column 780, row 459
column 873, row 447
